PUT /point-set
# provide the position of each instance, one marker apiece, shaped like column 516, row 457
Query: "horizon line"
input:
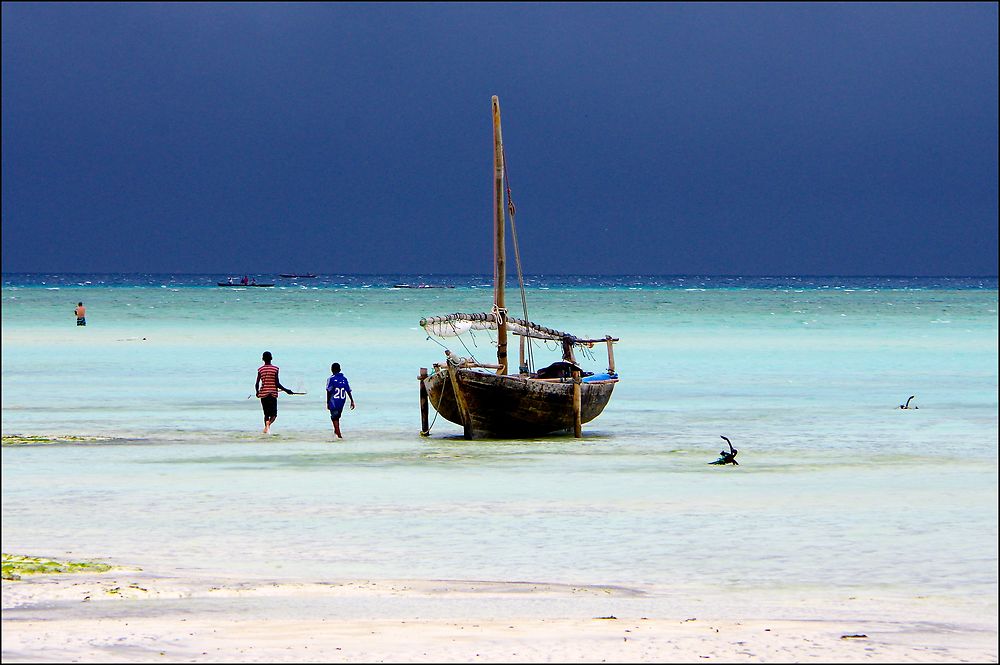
column 480, row 274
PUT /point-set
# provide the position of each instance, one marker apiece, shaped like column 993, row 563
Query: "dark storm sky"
column 817, row 139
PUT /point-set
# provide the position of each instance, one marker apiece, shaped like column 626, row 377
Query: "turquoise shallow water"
column 838, row 490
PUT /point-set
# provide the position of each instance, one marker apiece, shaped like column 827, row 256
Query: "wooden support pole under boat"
column 521, row 367
column 577, row 404
column 424, row 427
column 611, row 354
column 499, row 235
column 463, row 409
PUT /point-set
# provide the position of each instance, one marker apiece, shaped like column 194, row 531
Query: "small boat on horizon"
column 244, row 282
column 262, row 286
column 422, row 286
column 289, row 275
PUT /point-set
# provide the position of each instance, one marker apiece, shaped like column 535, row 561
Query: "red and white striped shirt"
column 268, row 376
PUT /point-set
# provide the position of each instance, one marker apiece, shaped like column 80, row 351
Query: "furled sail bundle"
column 451, row 325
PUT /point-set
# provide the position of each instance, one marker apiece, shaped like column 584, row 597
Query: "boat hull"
column 513, row 406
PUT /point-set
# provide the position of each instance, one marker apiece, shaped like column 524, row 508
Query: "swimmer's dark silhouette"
column 907, row 405
column 727, row 458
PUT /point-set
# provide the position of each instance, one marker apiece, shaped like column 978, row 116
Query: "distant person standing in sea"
column 266, row 388
column 338, row 391
column 81, row 314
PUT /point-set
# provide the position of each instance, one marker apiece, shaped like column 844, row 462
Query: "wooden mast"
column 499, row 234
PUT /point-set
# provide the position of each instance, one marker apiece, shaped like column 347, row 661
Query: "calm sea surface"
column 838, row 492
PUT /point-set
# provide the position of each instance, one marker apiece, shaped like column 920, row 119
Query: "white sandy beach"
column 133, row 616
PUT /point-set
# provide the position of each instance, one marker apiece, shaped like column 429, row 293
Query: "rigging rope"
column 529, row 359
column 437, row 342
column 471, row 354
column 459, row 337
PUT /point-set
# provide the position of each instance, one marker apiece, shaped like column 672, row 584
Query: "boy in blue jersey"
column 338, row 391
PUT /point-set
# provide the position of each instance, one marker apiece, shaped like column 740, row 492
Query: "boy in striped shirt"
column 266, row 388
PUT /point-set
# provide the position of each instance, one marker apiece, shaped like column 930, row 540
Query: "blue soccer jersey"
column 338, row 389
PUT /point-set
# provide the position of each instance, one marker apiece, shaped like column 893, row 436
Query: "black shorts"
column 336, row 413
column 270, row 406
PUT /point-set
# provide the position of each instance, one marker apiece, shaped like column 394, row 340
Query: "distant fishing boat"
column 243, row 283
column 422, row 286
column 295, row 276
column 261, row 286
column 482, row 397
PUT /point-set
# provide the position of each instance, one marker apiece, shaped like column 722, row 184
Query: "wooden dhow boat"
column 484, row 398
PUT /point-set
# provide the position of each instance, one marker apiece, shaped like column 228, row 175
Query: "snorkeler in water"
column 727, row 458
column 907, row 405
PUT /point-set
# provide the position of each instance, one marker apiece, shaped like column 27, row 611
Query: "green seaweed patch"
column 16, row 565
column 38, row 440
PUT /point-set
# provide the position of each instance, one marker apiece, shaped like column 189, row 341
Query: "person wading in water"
column 338, row 391
column 266, row 388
